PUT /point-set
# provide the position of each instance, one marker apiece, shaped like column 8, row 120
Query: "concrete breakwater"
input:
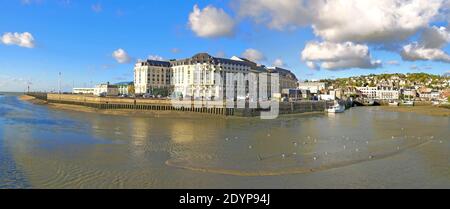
column 206, row 107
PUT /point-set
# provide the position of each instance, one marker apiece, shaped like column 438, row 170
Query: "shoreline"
column 116, row 112
column 143, row 113
column 32, row 100
column 422, row 110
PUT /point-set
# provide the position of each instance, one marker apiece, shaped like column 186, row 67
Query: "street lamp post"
column 59, row 83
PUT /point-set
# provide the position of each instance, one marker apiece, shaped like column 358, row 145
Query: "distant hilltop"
column 402, row 80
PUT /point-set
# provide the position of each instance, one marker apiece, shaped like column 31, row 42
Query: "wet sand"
column 364, row 147
column 423, row 110
column 32, row 100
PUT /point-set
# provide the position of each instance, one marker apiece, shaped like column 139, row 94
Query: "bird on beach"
column 259, row 157
column 250, row 147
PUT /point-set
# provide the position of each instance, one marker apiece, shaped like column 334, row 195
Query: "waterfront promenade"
column 206, row 107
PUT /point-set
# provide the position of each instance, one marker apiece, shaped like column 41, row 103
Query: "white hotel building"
column 382, row 93
column 201, row 76
column 152, row 74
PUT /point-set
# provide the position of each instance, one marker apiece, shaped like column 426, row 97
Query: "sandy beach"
column 32, row 100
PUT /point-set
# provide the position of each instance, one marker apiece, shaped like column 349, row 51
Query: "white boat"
column 408, row 103
column 336, row 108
column 393, row 103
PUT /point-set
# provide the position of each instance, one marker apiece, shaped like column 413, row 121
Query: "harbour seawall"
column 205, row 107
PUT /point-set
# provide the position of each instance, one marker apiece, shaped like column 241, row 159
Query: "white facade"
column 106, row 90
column 381, row 94
column 83, row 90
column 388, row 95
column 369, row 92
column 205, row 77
column 313, row 87
column 410, row 93
column 150, row 75
column 327, row 97
column 433, row 95
column 124, row 87
column 209, row 79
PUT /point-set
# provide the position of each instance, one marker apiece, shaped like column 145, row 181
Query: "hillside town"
column 411, row 86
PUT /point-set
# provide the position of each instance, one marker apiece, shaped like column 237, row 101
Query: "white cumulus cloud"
column 155, row 57
column 275, row 14
column 25, row 39
column 336, row 56
column 373, row 20
column 429, row 47
column 253, row 55
column 278, row 63
column 435, row 37
column 121, row 56
column 346, row 20
column 379, row 23
column 312, row 65
column 414, row 52
column 211, row 22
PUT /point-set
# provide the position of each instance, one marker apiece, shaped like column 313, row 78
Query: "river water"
column 362, row 148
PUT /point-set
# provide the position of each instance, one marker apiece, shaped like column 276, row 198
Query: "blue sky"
column 78, row 38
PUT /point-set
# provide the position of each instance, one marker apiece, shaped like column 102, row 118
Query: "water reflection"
column 60, row 149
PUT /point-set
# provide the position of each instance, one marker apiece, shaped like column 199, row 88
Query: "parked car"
column 146, row 96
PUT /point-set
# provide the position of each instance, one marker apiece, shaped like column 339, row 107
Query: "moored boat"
column 393, row 103
column 408, row 103
column 336, row 108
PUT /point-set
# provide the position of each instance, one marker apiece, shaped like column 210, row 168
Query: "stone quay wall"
column 207, row 107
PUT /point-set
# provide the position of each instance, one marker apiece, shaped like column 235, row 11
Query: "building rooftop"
column 207, row 58
column 124, row 83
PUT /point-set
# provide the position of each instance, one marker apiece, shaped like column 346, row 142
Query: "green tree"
column 131, row 89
